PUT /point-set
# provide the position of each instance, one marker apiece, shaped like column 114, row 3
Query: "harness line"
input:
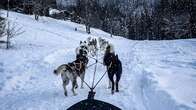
column 95, row 69
column 80, row 64
column 91, row 65
column 102, row 76
column 95, row 59
column 79, row 75
column 85, row 82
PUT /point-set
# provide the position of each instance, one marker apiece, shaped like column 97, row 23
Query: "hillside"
column 157, row 75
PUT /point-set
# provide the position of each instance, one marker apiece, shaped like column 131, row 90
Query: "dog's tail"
column 59, row 70
column 56, row 73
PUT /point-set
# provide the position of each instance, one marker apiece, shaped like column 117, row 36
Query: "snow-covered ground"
column 157, row 75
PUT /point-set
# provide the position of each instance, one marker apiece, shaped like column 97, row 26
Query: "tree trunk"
column 193, row 17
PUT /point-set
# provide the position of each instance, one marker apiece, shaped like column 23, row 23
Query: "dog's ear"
column 116, row 57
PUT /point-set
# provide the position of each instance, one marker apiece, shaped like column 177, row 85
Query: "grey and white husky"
column 71, row 71
column 102, row 44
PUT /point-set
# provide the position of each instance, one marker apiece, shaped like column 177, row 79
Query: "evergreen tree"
column 193, row 17
column 140, row 19
column 2, row 26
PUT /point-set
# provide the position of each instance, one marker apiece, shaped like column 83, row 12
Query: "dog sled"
column 93, row 104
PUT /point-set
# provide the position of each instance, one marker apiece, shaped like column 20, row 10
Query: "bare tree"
column 41, row 7
column 12, row 29
column 87, row 15
column 8, row 26
column 37, row 8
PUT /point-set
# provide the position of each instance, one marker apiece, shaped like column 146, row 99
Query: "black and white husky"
column 114, row 67
column 71, row 71
column 84, row 47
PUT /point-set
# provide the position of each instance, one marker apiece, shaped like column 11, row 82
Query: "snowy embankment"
column 157, row 75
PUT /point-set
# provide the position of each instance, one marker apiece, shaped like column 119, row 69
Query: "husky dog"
column 84, row 47
column 109, row 49
column 71, row 71
column 102, row 44
column 89, row 39
column 114, row 66
column 92, row 44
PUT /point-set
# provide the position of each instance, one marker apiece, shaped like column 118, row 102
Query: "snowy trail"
column 28, row 83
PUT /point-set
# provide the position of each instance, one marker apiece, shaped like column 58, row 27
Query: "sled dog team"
column 70, row 71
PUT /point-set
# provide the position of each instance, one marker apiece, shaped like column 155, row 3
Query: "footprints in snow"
column 17, row 84
column 194, row 102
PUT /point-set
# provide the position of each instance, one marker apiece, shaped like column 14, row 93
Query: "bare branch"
column 14, row 30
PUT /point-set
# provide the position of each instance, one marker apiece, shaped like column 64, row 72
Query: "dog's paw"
column 112, row 92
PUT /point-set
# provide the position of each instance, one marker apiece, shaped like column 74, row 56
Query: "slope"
column 152, row 70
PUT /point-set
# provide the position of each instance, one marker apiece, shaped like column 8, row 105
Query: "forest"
column 133, row 19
